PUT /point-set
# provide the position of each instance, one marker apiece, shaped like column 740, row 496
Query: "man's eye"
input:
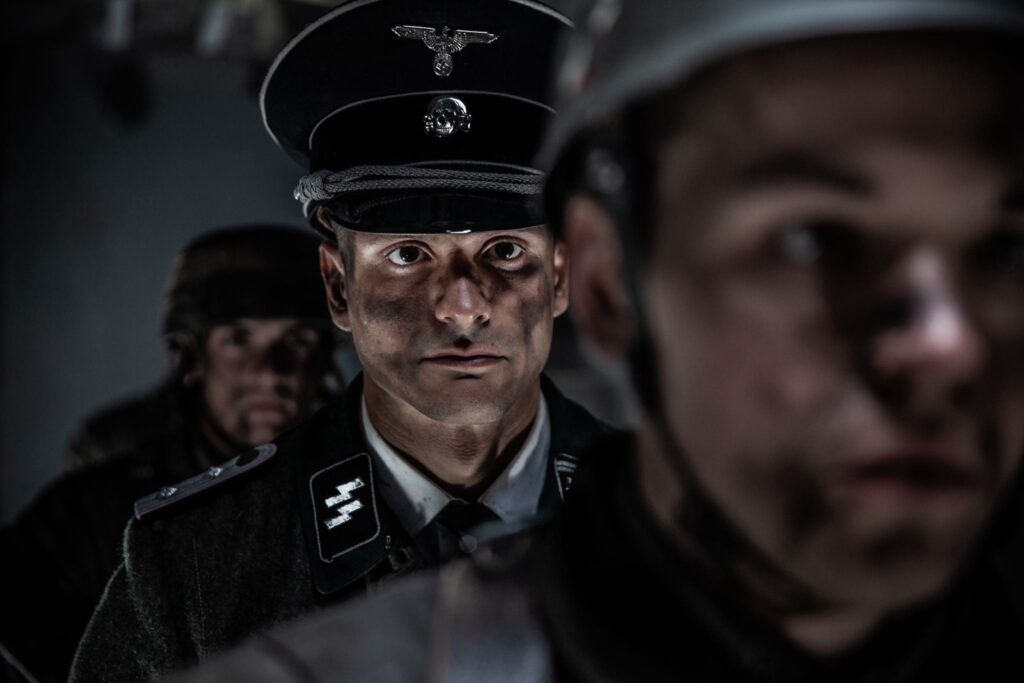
column 299, row 342
column 238, row 337
column 808, row 243
column 1002, row 254
column 404, row 256
column 507, row 251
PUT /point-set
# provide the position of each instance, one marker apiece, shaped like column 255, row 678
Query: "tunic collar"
column 514, row 496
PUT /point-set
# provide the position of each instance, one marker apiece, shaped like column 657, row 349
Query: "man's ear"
column 599, row 303
column 324, row 219
column 332, row 270
column 187, row 358
column 562, row 270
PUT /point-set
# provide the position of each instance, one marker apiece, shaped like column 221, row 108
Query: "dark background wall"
column 92, row 214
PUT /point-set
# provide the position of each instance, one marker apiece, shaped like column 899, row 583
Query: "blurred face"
column 259, row 376
column 456, row 326
column 836, row 296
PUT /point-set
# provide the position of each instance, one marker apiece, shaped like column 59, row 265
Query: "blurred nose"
column 929, row 342
column 272, row 360
column 463, row 301
column 280, row 358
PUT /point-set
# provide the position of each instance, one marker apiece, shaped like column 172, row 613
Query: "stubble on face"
column 258, row 376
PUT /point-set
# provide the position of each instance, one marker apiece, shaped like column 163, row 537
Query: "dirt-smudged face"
column 258, row 376
column 836, row 296
column 456, row 326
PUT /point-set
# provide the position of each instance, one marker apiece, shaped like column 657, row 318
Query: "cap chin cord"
column 325, row 185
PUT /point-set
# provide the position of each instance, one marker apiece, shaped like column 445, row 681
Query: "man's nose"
column 276, row 359
column 932, row 344
column 464, row 301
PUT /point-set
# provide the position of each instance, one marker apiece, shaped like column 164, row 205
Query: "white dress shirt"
column 416, row 500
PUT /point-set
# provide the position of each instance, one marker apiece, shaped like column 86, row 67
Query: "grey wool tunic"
column 276, row 533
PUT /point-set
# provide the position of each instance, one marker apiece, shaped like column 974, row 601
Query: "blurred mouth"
column 468, row 359
column 913, row 473
column 266, row 406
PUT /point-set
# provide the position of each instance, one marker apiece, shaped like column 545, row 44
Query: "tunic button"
column 468, row 544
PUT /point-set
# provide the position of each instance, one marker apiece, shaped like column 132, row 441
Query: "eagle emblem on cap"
column 444, row 42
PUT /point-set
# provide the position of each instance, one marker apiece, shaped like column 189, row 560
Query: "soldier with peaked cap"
column 806, row 220
column 443, row 270
column 246, row 324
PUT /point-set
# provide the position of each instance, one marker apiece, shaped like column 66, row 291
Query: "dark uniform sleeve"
column 133, row 634
column 382, row 638
column 57, row 557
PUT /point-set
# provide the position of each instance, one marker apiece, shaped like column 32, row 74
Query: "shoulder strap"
column 214, row 476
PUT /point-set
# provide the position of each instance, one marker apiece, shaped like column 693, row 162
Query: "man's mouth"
column 913, row 472
column 266, row 405
column 466, row 359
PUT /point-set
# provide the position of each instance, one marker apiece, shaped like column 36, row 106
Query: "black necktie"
column 449, row 533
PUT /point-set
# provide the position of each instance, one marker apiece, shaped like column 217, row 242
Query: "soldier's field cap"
column 251, row 271
column 625, row 50
column 418, row 115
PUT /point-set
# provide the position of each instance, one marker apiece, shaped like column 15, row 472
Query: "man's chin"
column 263, row 430
column 892, row 590
column 454, row 398
column 466, row 402
column 460, row 410
column 891, row 571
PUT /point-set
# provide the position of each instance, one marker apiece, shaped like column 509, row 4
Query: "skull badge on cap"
column 446, row 116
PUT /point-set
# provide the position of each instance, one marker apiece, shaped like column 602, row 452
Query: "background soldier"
column 223, row 295
column 820, row 210
column 449, row 281
column 250, row 342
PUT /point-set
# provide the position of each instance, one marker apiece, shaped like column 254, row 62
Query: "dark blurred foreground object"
column 61, row 550
column 822, row 201
column 596, row 596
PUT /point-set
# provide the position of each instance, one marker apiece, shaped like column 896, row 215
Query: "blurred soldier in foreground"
column 806, row 219
column 247, row 328
column 446, row 275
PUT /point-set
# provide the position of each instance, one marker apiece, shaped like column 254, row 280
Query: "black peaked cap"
column 355, row 89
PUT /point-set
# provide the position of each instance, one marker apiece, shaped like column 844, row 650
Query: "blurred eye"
column 300, row 340
column 404, row 256
column 507, row 251
column 238, row 336
column 1001, row 254
column 811, row 242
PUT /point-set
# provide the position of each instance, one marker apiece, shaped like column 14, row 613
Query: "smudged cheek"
column 745, row 383
column 389, row 329
column 997, row 406
column 1011, row 421
column 786, row 497
column 526, row 312
column 222, row 398
column 737, row 370
column 303, row 392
